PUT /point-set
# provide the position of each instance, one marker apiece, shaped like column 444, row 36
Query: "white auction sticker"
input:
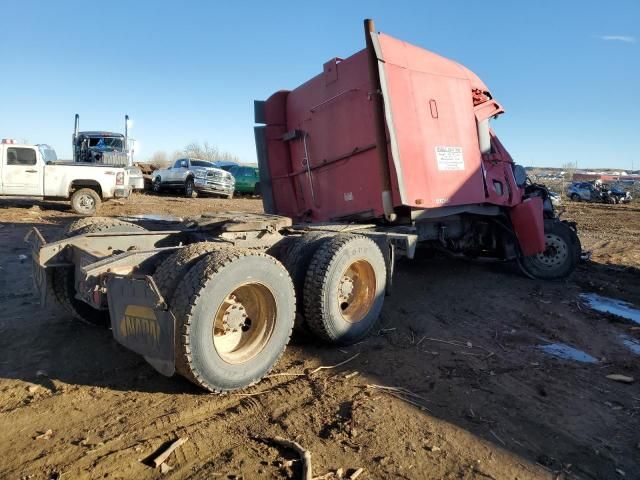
column 449, row 158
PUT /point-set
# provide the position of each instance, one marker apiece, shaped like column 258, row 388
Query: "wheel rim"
column 156, row 185
column 356, row 291
column 86, row 203
column 189, row 188
column 244, row 323
column 555, row 253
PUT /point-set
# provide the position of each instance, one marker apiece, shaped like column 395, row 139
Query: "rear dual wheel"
column 344, row 289
column 234, row 313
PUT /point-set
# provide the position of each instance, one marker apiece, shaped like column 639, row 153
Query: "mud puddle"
column 613, row 306
column 567, row 352
column 631, row 343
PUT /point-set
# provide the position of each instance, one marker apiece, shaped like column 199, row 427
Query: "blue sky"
column 567, row 72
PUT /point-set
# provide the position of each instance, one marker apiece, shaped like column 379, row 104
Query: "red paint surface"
column 433, row 102
column 529, row 225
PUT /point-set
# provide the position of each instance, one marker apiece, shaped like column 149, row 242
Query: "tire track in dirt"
column 201, row 423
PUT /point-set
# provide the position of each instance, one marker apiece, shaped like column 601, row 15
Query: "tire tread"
column 185, row 299
column 315, row 288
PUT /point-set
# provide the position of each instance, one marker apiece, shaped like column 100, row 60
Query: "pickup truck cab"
column 34, row 171
column 193, row 176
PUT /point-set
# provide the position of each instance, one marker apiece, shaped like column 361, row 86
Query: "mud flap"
column 140, row 321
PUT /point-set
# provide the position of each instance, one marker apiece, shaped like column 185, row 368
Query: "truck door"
column 22, row 172
column 176, row 172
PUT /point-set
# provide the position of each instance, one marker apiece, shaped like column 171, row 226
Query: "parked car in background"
column 225, row 165
column 618, row 194
column 193, row 176
column 583, row 192
column 247, row 179
column 597, row 192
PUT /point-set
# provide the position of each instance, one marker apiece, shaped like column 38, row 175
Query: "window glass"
column 201, row 163
column 21, row 156
column 107, row 143
column 178, row 163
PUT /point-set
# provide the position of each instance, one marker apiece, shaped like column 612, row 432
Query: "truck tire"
column 175, row 266
column 234, row 314
column 62, row 279
column 190, row 188
column 85, row 201
column 344, row 289
column 575, row 197
column 97, row 224
column 297, row 258
column 279, row 250
column 156, row 186
column 561, row 255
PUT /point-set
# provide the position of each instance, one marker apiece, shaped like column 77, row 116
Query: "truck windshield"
column 201, row 163
column 111, row 143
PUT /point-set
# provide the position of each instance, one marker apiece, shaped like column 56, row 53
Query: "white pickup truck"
column 194, row 176
column 33, row 171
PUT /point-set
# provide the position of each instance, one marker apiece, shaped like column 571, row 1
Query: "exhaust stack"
column 76, row 128
column 126, row 140
column 126, row 132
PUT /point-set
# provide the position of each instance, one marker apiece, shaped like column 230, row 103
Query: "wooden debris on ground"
column 305, row 455
column 402, row 394
column 45, row 435
column 328, row 367
column 356, row 473
column 160, row 459
column 620, row 378
column 340, row 474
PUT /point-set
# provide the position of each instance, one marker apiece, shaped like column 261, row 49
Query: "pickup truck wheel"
column 63, row 278
column 85, row 201
column 234, row 315
column 560, row 257
column 575, row 197
column 156, row 186
column 344, row 289
column 189, row 188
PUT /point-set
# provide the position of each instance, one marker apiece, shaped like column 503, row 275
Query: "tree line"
column 203, row 151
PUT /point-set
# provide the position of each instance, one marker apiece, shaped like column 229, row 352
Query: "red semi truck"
column 383, row 152
column 397, row 135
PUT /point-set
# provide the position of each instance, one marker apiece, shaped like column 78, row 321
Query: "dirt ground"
column 475, row 398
